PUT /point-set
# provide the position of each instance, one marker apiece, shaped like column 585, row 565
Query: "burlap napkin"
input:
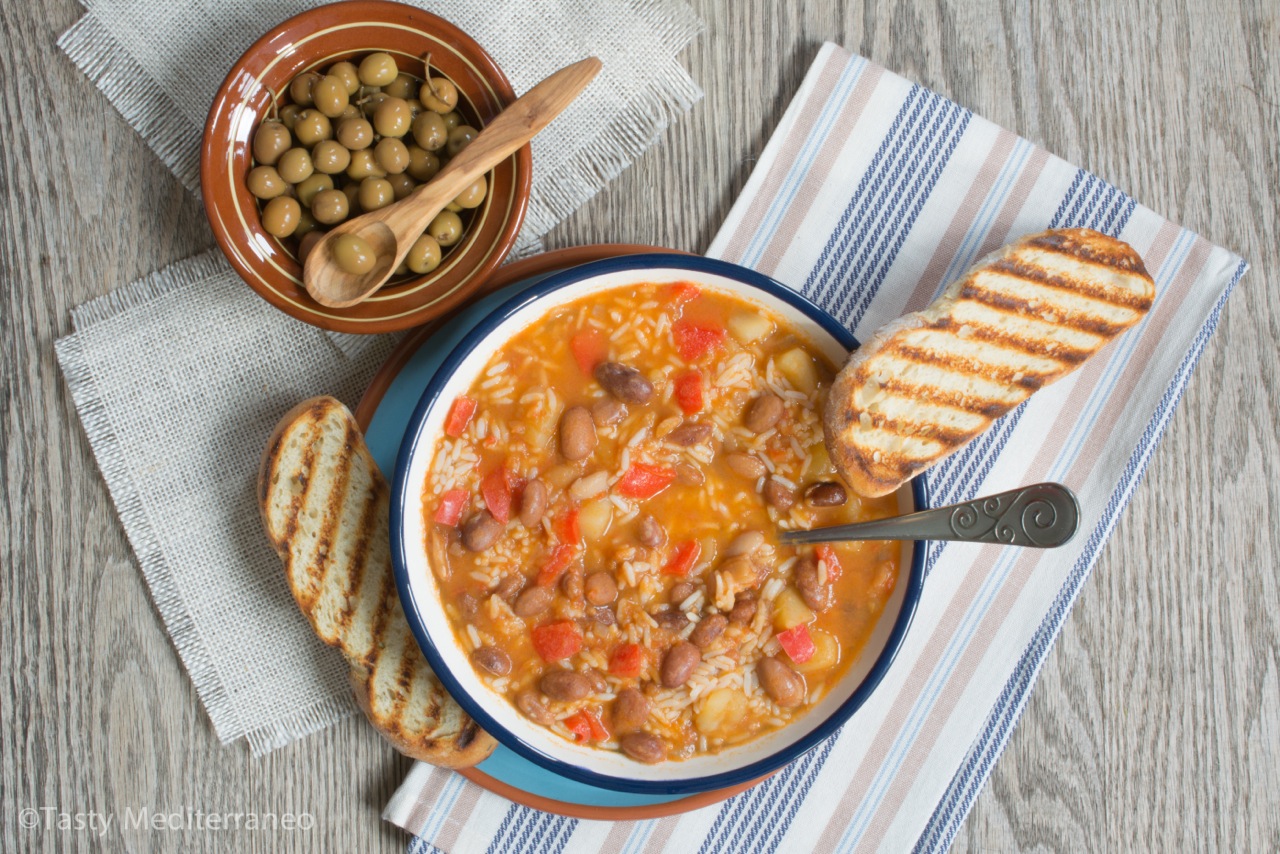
column 871, row 195
column 180, row 377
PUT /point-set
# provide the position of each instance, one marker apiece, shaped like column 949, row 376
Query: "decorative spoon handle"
column 1044, row 515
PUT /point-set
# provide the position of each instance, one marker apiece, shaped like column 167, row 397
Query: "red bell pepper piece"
column 683, row 292
column 496, row 489
column 558, row 640
column 459, row 415
column 566, row 526
column 797, row 643
column 695, row 340
column 590, row 347
column 827, row 555
column 585, row 726
column 449, row 510
column 628, row 660
column 561, row 556
column 642, row 480
column 683, row 558
column 689, row 392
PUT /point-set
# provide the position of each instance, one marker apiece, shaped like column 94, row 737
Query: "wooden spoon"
column 392, row 230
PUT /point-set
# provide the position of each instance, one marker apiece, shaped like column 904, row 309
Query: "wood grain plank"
column 1154, row 724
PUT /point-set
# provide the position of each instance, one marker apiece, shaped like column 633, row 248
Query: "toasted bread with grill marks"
column 926, row 384
column 325, row 508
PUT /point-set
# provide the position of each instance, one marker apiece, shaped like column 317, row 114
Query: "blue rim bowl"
column 420, row 597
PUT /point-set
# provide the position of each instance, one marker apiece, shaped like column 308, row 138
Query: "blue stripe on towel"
column 973, row 772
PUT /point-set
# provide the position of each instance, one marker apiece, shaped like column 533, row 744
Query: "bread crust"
column 344, row 568
column 926, row 384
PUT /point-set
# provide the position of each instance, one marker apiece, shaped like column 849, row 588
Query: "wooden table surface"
column 1154, row 724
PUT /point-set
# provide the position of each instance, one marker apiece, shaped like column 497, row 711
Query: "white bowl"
column 421, row 598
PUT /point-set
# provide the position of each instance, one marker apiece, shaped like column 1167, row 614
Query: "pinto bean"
column 651, row 533
column 673, row 620
column 480, row 531
column 608, row 411
column 630, row 710
column 531, row 705
column 681, row 591
column 826, row 494
column 533, row 601
column 814, row 593
column 604, row 616
column 783, row 685
column 708, row 630
column 746, row 465
column 689, row 433
column 565, row 685
column 601, row 589
column 744, row 607
column 492, row 659
column 763, row 413
column 679, row 663
column 572, row 584
column 778, row 496
column 745, row 543
column 643, row 747
column 468, row 604
column 598, row 683
column 577, row 433
column 533, row 503
column 624, row 382
column 689, row 474
column 509, row 586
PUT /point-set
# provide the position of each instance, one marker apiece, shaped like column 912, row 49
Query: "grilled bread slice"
column 325, row 508
column 926, row 384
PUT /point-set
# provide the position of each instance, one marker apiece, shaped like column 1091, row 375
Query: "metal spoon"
column 1044, row 515
column 391, row 231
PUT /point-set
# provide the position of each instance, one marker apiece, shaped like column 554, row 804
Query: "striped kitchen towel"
column 874, row 193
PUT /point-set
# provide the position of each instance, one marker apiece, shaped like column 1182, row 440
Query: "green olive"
column 452, row 120
column 307, row 189
column 438, row 94
column 347, row 73
column 429, row 131
column 350, row 111
column 363, row 165
column 308, row 241
column 424, row 255
column 391, row 118
column 453, row 206
column 271, row 140
column 402, row 87
column 265, row 182
column 401, row 185
column 369, row 103
column 474, row 194
column 352, row 191
column 330, row 157
column 295, row 165
column 459, row 138
column 330, row 206
column 312, row 126
column 353, row 254
column 330, row 95
column 423, row 165
column 355, row 134
column 300, row 90
column 375, row 193
column 446, row 228
column 289, row 115
column 402, row 269
column 378, row 69
column 392, row 155
column 281, row 216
